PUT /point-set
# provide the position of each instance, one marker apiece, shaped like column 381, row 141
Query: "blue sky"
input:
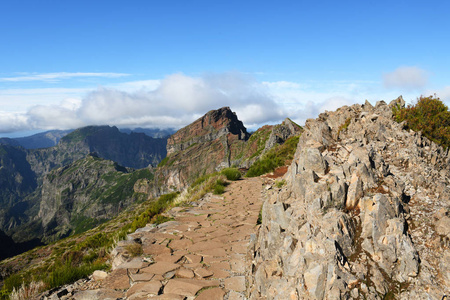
column 65, row 64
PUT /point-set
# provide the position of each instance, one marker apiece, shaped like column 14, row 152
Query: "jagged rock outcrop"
column 280, row 133
column 364, row 214
column 212, row 126
column 202, row 147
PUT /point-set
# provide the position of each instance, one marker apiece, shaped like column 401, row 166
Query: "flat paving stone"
column 192, row 258
column 167, row 297
column 207, row 245
column 156, row 249
column 219, row 273
column 211, row 294
column 216, row 252
column 178, row 287
column 117, row 279
column 203, row 273
column 135, row 263
column 170, row 258
column 150, row 288
column 237, row 265
column 160, row 268
column 232, row 295
column 180, row 244
column 236, row 283
column 193, row 266
column 98, row 294
column 139, row 277
column 184, row 273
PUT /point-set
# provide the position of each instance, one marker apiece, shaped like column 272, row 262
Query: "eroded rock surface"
column 364, row 214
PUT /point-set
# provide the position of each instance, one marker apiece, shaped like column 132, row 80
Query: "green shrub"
column 259, row 220
column 134, row 249
column 12, row 282
column 275, row 157
column 280, row 184
column 430, row 116
column 163, row 162
column 219, row 186
column 159, row 219
column 231, row 174
column 156, row 207
column 344, row 126
column 95, row 241
column 67, row 273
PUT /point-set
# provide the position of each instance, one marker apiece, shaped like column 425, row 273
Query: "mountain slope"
column 135, row 150
column 79, row 196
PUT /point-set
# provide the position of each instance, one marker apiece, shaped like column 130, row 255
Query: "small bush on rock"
column 231, row 174
column 430, row 116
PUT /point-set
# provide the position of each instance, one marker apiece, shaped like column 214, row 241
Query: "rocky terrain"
column 200, row 254
column 364, row 214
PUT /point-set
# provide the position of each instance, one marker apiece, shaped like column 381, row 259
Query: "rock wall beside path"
column 364, row 214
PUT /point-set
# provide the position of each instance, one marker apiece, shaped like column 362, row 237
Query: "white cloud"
column 443, row 94
column 59, row 76
column 409, row 78
column 178, row 99
column 174, row 101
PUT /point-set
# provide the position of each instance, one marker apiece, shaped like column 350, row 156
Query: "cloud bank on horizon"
column 179, row 99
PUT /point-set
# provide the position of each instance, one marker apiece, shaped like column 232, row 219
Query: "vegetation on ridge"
column 275, row 157
column 430, row 116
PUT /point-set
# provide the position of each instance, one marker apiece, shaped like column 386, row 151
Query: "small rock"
column 99, row 275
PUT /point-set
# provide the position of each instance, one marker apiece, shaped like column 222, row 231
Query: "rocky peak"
column 213, row 125
column 364, row 213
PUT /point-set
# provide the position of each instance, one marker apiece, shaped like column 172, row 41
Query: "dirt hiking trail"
column 201, row 254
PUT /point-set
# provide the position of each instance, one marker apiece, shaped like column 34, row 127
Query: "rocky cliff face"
column 212, row 126
column 201, row 148
column 364, row 214
column 83, row 194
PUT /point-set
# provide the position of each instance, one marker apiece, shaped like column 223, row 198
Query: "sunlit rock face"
column 362, row 214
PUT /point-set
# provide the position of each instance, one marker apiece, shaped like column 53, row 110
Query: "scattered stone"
column 99, row 275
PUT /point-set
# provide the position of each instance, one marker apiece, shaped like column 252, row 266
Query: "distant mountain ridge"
column 51, row 138
column 26, row 188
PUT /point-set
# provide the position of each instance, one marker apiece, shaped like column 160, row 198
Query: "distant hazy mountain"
column 153, row 132
column 51, row 138
column 9, row 142
column 42, row 140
